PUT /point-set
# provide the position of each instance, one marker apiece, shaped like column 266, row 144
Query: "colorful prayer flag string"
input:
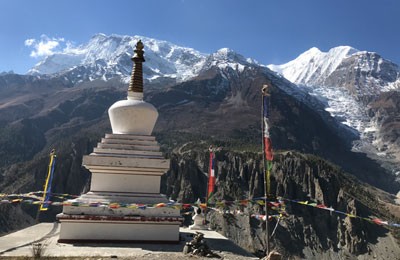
column 278, row 206
column 324, row 207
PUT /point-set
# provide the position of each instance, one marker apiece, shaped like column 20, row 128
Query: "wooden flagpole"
column 266, row 175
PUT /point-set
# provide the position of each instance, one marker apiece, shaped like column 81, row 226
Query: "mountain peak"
column 342, row 51
column 225, row 51
column 227, row 58
column 312, row 51
column 337, row 52
column 227, row 54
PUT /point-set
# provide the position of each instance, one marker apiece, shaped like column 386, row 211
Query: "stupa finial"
column 136, row 84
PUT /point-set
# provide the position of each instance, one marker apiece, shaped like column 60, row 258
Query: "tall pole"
column 265, row 143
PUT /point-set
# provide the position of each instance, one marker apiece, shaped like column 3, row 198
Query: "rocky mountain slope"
column 384, row 113
column 307, row 233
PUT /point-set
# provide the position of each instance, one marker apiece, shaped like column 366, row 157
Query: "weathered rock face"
column 307, row 232
column 185, row 178
column 310, row 178
column 363, row 73
column 384, row 111
column 14, row 217
column 238, row 176
column 70, row 177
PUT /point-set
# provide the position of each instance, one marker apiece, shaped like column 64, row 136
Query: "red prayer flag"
column 211, row 177
column 268, row 149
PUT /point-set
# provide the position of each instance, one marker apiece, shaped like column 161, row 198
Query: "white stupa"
column 126, row 172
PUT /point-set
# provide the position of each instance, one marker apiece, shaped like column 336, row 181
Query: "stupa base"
column 78, row 228
column 126, row 197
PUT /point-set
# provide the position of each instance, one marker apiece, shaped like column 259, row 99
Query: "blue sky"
column 270, row 31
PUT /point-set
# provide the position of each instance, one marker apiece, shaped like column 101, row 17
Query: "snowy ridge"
column 56, row 63
column 109, row 56
column 313, row 66
column 105, row 57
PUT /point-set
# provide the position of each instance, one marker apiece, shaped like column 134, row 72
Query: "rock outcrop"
column 307, row 232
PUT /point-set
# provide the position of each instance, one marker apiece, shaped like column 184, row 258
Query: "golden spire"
column 136, row 84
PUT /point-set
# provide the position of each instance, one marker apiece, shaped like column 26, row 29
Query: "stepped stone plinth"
column 124, row 201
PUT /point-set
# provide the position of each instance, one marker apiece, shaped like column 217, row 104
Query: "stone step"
column 110, row 161
column 126, row 136
column 124, row 170
column 118, row 152
column 154, row 148
column 128, row 141
column 128, row 155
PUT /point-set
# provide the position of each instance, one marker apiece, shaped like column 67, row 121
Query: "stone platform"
column 19, row 244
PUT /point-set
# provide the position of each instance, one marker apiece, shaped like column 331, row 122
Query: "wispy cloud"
column 72, row 49
column 29, row 42
column 46, row 46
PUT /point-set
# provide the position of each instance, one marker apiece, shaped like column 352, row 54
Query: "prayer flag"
column 267, row 140
column 49, row 179
column 211, row 176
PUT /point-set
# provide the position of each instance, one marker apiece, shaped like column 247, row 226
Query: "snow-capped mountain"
column 342, row 78
column 313, row 66
column 105, row 57
column 346, row 79
column 361, row 72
